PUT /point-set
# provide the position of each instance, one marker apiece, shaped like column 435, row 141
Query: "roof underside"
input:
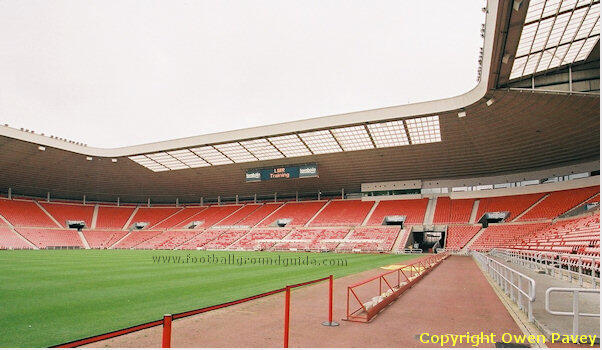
column 519, row 132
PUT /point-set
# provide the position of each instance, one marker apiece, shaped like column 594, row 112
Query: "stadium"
column 467, row 221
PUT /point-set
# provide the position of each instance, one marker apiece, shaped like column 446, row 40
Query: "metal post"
column 177, row 202
column 330, row 303
column 287, row 306
column 296, row 196
column 148, row 203
column 236, row 199
column 166, row 343
column 255, row 198
column 319, row 195
column 201, row 201
column 275, row 197
column 576, row 312
column 117, row 201
column 48, row 197
column 219, row 200
column 10, row 193
column 84, row 201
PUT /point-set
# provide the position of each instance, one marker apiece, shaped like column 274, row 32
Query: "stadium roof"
column 503, row 131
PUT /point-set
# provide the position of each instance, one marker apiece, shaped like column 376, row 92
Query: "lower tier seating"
column 10, row 240
column 504, row 235
column 167, row 240
column 370, row 239
column 202, row 238
column 49, row 238
column 225, row 239
column 259, row 239
column 458, row 236
column 102, row 239
column 575, row 236
column 135, row 238
column 73, row 212
column 313, row 239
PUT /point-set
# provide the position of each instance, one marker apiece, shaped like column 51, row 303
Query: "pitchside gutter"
column 387, row 113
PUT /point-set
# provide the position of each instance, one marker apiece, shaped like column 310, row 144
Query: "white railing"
column 562, row 266
column 575, row 311
column 519, row 287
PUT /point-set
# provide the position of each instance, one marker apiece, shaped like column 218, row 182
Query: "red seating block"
column 413, row 209
column 513, row 204
column 343, row 213
column 24, row 213
column 76, row 212
column 452, row 211
column 210, row 216
column 153, row 215
column 299, row 212
column 112, row 217
column 558, row 203
column 258, row 215
column 44, row 238
column 458, row 236
column 100, row 239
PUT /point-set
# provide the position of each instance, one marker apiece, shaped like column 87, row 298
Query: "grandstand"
column 506, row 175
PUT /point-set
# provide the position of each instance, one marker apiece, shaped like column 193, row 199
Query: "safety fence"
column 166, row 322
column 366, row 299
column 575, row 310
column 574, row 268
column 518, row 286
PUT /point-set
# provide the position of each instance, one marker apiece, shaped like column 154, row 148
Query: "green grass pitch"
column 50, row 297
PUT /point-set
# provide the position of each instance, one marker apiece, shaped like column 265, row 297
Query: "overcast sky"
column 118, row 73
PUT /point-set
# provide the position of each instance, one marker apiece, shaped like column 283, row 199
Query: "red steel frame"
column 405, row 280
column 166, row 322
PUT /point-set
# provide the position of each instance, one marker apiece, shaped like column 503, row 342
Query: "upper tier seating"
column 113, row 217
column 594, row 199
column 178, row 218
column 202, row 238
column 513, row 204
column 574, row 236
column 343, row 213
column 74, row 212
column 98, row 239
column 225, row 239
column 168, row 240
column 24, row 213
column 135, row 238
column 210, row 216
column 453, row 211
column 252, row 240
column 261, row 213
column 299, row 212
column 239, row 215
column 313, row 239
column 503, row 236
column 558, row 203
column 360, row 239
column 458, row 236
column 152, row 216
column 43, row 237
column 413, row 209
column 10, row 240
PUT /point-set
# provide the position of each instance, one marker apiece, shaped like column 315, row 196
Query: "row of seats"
column 575, row 236
column 452, row 211
column 27, row 213
column 458, row 236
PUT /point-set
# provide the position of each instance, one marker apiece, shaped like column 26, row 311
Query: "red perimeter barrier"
column 407, row 276
column 166, row 321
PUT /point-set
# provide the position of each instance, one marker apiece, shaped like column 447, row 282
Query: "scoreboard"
column 282, row 172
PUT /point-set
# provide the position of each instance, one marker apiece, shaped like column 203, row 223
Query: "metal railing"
column 575, row 311
column 563, row 266
column 519, row 287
